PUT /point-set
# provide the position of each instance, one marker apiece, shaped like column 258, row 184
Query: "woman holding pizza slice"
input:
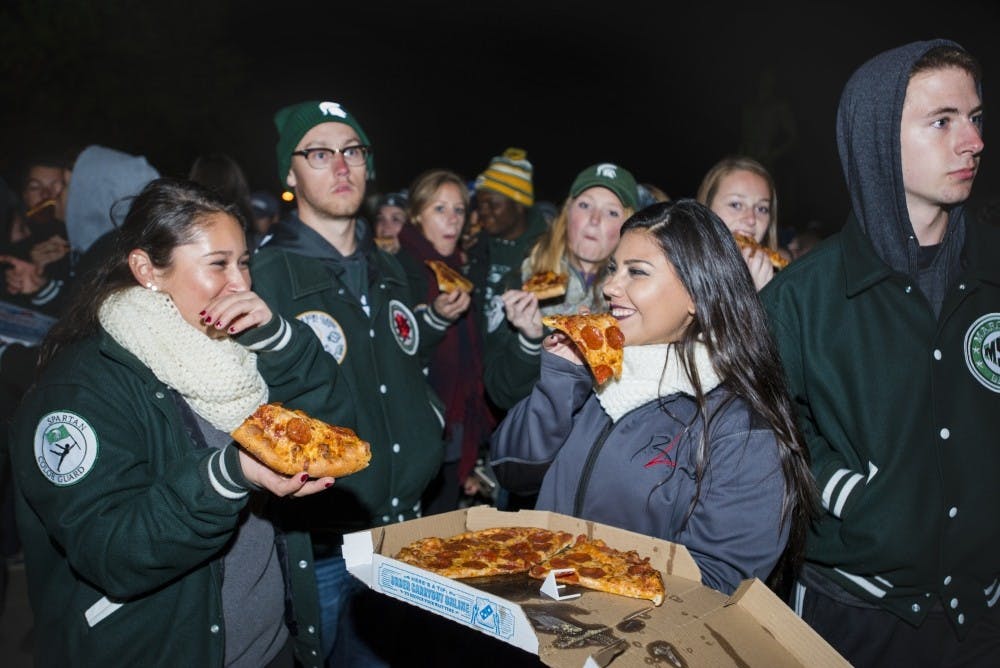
column 439, row 201
column 741, row 192
column 697, row 442
column 145, row 536
column 577, row 246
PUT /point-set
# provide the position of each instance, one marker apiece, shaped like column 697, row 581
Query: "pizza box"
column 695, row 626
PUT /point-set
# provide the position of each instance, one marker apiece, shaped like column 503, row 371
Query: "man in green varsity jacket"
column 889, row 335
column 320, row 265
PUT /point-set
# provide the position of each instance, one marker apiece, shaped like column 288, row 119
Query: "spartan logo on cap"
column 332, row 109
column 65, row 447
column 982, row 350
column 329, row 332
column 404, row 327
column 607, row 170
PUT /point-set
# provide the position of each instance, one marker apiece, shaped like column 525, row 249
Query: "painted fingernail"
column 208, row 320
column 218, row 324
column 202, row 313
column 303, row 477
column 232, row 329
column 327, row 485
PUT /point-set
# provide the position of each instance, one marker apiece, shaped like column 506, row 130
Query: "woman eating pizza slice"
column 697, row 442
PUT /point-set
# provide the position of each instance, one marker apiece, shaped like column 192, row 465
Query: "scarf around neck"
column 217, row 377
column 653, row 371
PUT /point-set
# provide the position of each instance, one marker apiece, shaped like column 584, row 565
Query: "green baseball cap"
column 294, row 121
column 608, row 175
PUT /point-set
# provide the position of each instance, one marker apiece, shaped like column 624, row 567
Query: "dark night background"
column 657, row 87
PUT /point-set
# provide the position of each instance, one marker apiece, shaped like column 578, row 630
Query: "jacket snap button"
column 214, row 628
column 158, row 394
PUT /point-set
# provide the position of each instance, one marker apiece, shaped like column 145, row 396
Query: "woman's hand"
column 22, row 278
column 761, row 269
column 521, row 308
column 559, row 344
column 279, row 485
column 49, row 251
column 236, row 312
column 450, row 305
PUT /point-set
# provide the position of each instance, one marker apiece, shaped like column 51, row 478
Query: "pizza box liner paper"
column 701, row 626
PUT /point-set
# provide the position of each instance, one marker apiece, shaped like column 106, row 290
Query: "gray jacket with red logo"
column 639, row 473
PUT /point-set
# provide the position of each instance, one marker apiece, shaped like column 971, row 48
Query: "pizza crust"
column 448, row 279
column 546, row 285
column 290, row 442
column 778, row 261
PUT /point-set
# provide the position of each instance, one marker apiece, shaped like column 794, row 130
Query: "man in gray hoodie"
column 889, row 336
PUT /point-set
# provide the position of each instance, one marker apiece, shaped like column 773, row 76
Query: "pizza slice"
column 601, row 568
column 448, row 279
column 486, row 552
column 546, row 284
column 597, row 337
column 778, row 261
column 289, row 441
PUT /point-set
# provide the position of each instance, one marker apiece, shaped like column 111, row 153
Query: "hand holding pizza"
column 450, row 305
column 558, row 343
column 279, row 485
column 760, row 266
column 521, row 308
column 236, row 312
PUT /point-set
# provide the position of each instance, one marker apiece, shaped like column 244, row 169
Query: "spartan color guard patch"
column 404, row 327
column 329, row 331
column 65, row 447
column 982, row 350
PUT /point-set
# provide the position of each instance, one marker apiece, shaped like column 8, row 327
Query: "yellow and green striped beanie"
column 510, row 175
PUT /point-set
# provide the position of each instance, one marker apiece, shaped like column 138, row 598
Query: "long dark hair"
column 731, row 322
column 166, row 214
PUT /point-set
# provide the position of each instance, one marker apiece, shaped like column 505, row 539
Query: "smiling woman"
column 132, row 493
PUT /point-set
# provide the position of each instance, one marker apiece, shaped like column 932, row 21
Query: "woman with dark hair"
column 141, row 520
column 697, row 442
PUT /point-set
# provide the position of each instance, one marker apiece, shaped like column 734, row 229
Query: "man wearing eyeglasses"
column 322, row 267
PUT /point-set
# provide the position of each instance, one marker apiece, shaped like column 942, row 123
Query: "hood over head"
column 101, row 178
column 868, row 139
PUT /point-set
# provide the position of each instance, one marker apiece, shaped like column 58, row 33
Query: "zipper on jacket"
column 588, row 468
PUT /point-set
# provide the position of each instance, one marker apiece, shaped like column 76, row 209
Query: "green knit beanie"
column 294, row 121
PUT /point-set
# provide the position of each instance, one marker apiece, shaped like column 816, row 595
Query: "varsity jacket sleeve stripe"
column 270, row 337
column 834, row 475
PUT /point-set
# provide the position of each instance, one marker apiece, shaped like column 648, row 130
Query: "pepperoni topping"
column 559, row 562
column 592, row 337
column 578, row 557
column 439, row 563
column 591, row 572
column 615, row 338
column 297, row 430
column 474, row 564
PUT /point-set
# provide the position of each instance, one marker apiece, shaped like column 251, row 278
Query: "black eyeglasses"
column 320, row 158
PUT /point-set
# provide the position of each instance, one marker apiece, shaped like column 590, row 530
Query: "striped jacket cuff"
column 48, row 292
column 225, row 473
column 434, row 320
column 270, row 337
column 529, row 346
column 841, row 490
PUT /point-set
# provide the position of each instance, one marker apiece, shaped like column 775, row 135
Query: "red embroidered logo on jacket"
column 663, row 454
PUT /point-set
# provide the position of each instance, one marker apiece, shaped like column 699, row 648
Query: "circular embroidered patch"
column 404, row 327
column 65, row 447
column 982, row 350
column 329, row 331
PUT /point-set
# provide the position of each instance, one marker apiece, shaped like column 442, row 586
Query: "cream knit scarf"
column 644, row 377
column 217, row 377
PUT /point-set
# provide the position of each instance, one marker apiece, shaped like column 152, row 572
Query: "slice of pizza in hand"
column 601, row 568
column 778, row 261
column 448, row 279
column 289, row 442
column 597, row 337
column 546, row 284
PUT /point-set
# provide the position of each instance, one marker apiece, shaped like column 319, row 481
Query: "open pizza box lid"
column 696, row 625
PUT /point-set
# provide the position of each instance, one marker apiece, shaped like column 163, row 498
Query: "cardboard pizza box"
column 695, row 626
